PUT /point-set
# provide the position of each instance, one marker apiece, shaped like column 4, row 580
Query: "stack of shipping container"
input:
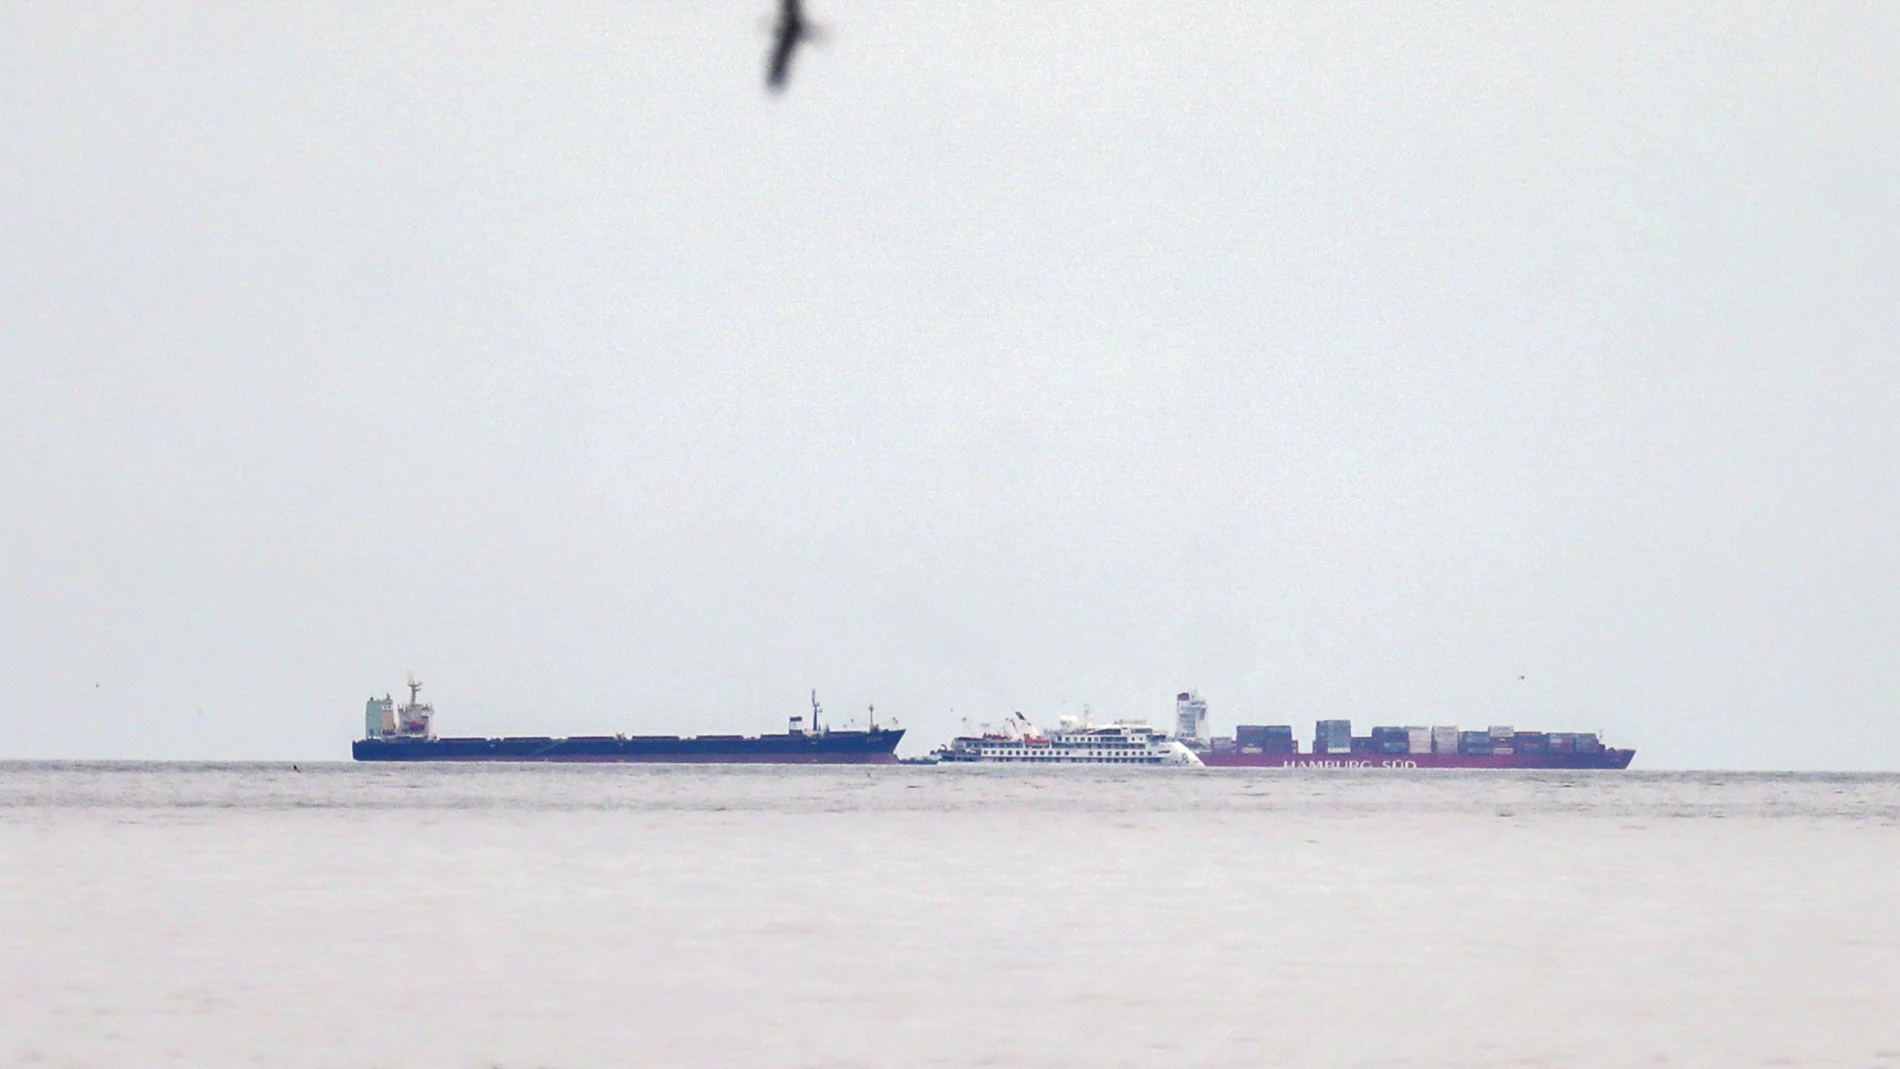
column 1332, row 736
column 1391, row 741
column 1573, row 742
column 1394, row 741
column 1335, row 737
column 1265, row 738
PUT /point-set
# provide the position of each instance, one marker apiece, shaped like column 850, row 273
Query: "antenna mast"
column 814, row 711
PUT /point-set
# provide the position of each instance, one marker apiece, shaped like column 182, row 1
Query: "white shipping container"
column 1504, row 732
column 1419, row 740
column 1445, row 739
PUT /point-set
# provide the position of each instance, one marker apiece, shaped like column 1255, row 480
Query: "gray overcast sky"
column 1337, row 361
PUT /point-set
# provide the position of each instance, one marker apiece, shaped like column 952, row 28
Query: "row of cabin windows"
column 1017, row 756
column 1102, row 746
column 1065, row 749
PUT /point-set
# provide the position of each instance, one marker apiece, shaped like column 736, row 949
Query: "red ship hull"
column 1602, row 759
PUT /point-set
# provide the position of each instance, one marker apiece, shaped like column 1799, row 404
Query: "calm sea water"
column 356, row 917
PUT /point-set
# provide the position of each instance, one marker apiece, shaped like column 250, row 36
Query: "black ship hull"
column 825, row 748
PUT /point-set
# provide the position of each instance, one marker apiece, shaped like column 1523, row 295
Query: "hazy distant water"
column 178, row 915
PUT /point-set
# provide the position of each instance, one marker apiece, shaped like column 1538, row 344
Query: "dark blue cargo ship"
column 404, row 734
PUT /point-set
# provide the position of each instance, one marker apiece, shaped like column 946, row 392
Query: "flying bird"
column 791, row 29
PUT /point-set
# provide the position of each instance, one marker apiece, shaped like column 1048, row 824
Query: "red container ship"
column 1336, row 747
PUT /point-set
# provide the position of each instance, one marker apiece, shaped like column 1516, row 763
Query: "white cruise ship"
column 1075, row 742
